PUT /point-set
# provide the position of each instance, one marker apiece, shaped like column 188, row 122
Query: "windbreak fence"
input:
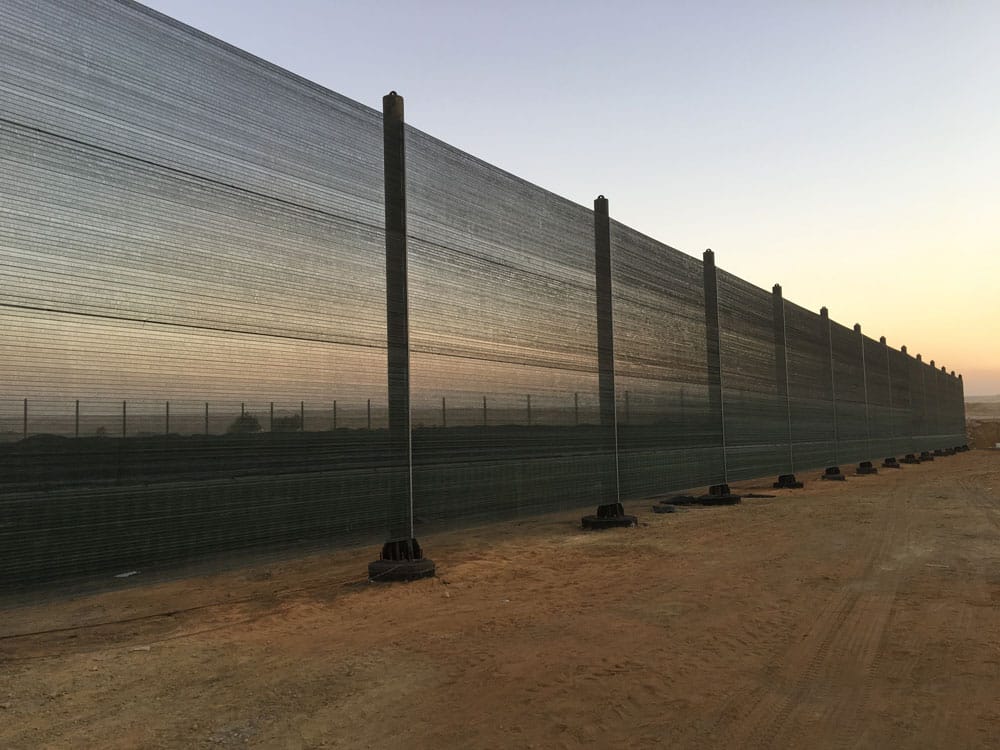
column 193, row 312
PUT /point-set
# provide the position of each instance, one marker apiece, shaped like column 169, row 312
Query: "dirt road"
column 857, row 614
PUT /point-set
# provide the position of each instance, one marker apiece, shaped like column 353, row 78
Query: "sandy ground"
column 856, row 614
column 983, row 433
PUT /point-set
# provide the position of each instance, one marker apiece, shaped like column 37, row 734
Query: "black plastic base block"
column 961, row 448
column 833, row 474
column 865, row 467
column 596, row 523
column 891, row 463
column 788, row 482
column 664, row 508
column 926, row 456
column 609, row 516
column 385, row 571
column 909, row 458
column 401, row 560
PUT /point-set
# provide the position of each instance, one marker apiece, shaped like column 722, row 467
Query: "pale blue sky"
column 847, row 150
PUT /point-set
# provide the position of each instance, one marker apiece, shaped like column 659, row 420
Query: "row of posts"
column 124, row 430
column 302, row 416
column 713, row 347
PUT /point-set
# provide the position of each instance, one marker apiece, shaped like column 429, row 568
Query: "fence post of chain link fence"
column 713, row 348
column 609, row 514
column 401, row 557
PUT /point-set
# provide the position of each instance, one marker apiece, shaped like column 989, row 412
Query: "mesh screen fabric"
column 756, row 411
column 669, row 436
column 949, row 412
column 881, row 426
column 810, row 393
column 503, row 342
column 192, row 258
column 919, row 423
column 177, row 218
column 853, row 438
column 900, row 371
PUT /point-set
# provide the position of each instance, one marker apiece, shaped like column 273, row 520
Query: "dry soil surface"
column 855, row 614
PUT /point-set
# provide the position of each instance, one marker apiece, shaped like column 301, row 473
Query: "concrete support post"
column 713, row 347
column 605, row 320
column 864, row 380
column 397, row 317
column 961, row 400
column 610, row 513
column 826, row 336
column 781, row 365
column 888, row 372
column 401, row 558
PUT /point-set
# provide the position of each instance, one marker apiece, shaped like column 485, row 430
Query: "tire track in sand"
column 823, row 685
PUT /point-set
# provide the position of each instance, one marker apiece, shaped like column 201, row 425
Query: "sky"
column 849, row 151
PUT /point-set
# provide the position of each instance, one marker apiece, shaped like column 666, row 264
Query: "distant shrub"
column 291, row 423
column 243, row 425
